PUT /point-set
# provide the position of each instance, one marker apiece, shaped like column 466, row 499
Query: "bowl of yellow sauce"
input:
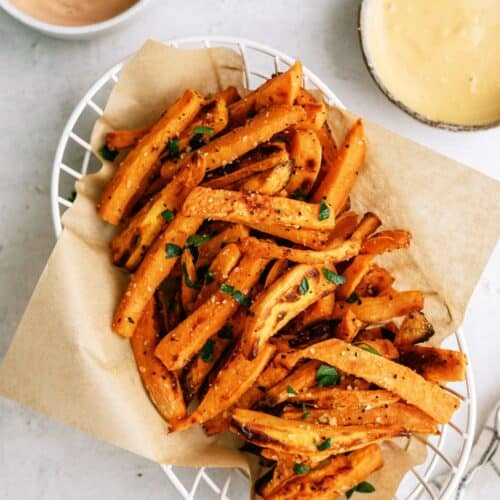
column 75, row 19
column 438, row 60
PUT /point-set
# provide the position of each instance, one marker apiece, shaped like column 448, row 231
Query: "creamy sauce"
column 73, row 12
column 441, row 58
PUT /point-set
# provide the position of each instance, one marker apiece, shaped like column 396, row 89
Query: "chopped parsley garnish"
column 238, row 296
column 327, row 375
column 367, row 347
column 167, row 215
column 173, row 148
column 203, row 130
column 298, row 194
column 107, row 154
column 332, row 277
column 324, row 210
column 197, row 240
column 324, row 445
column 209, row 95
column 305, row 414
column 226, row 332
column 189, row 282
column 172, row 250
column 363, row 487
column 304, row 286
column 137, row 240
column 207, row 353
column 291, row 390
column 354, row 297
column 301, row 468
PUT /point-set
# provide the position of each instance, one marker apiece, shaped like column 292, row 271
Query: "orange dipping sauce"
column 73, row 12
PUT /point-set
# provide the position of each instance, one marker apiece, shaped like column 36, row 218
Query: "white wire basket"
column 438, row 476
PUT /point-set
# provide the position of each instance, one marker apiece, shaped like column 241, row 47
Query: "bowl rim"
column 365, row 51
column 59, row 29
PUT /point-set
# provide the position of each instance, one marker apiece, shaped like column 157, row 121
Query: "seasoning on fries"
column 258, row 299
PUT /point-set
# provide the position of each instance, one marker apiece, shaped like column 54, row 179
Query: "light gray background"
column 41, row 81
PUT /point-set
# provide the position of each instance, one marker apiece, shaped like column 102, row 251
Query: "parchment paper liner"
column 65, row 361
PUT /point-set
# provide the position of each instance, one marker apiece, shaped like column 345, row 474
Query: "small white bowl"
column 72, row 32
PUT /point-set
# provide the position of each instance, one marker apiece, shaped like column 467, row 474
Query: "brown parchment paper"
column 65, row 361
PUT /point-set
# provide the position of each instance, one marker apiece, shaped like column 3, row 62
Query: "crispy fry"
column 367, row 225
column 404, row 382
column 281, row 89
column 265, row 157
column 269, row 182
column 229, row 94
column 386, row 241
column 121, row 139
column 336, row 477
column 305, row 152
column 374, row 282
column 338, row 182
column 300, row 379
column 189, row 281
column 270, row 250
column 129, row 246
column 161, row 385
column 289, row 436
column 218, row 272
column 232, row 234
column 316, row 114
column 155, row 267
column 328, row 397
column 388, row 331
column 433, row 363
column 383, row 308
column 306, row 237
column 415, row 328
column 410, row 418
column 354, row 274
column 137, row 166
column 345, row 225
column 232, row 381
column 280, row 303
column 231, row 146
column 348, row 327
column 321, row 310
column 252, row 209
column 182, row 343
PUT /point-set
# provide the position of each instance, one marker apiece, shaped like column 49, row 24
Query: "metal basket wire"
column 448, row 453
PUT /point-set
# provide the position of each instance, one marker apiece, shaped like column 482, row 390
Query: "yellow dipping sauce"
column 73, row 12
column 440, row 58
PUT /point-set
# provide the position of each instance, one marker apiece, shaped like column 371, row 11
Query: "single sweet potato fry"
column 354, row 274
column 161, row 385
column 382, row 347
column 308, row 238
column 383, row 308
column 403, row 381
column 137, row 166
column 305, row 152
column 156, row 266
column 374, row 282
column 415, row 328
column 281, row 302
column 348, row 327
column 181, row 344
column 252, row 209
column 386, row 241
column 270, row 250
column 433, row 363
column 121, row 139
column 281, row 89
column 189, row 285
column 321, row 310
column 338, row 182
column 270, row 182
